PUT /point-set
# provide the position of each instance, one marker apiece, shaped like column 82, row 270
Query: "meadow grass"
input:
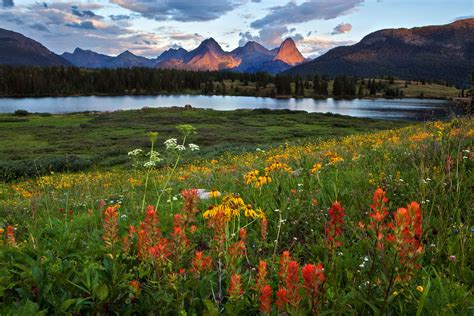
column 373, row 223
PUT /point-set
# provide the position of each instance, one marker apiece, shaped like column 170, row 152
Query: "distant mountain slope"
column 16, row 49
column 87, row 59
column 129, row 60
column 443, row 52
column 172, row 53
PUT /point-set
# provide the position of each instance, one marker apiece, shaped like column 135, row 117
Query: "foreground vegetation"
column 34, row 144
column 378, row 223
column 60, row 81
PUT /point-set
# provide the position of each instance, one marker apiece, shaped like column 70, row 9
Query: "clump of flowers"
column 201, row 263
column 276, row 166
column 254, row 178
column 407, row 234
column 233, row 206
column 289, row 291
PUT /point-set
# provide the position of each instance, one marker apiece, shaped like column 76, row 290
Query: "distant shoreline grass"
column 51, row 141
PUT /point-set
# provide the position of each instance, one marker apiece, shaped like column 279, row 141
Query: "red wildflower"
column 313, row 277
column 262, row 275
column 151, row 224
column 264, row 228
column 201, row 262
column 408, row 232
column 292, row 284
column 242, row 234
column 135, row 286
column 190, row 203
column 284, row 262
column 235, row 288
column 110, row 225
column 378, row 215
column 160, row 252
column 266, row 299
column 180, row 238
column 334, row 228
column 11, row 240
column 217, row 223
column 193, row 229
column 236, row 252
column 281, row 299
column 178, row 220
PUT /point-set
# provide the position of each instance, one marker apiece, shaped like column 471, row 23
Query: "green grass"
column 102, row 137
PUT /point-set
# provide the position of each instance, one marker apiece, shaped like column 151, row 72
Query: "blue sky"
column 148, row 27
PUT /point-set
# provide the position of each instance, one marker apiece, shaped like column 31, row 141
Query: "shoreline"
column 278, row 97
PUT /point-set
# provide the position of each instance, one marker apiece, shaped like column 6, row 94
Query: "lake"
column 406, row 109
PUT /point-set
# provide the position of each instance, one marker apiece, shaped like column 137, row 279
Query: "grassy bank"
column 376, row 223
column 103, row 139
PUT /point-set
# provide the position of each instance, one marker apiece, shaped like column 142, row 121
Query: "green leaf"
column 423, row 297
column 211, row 308
column 102, row 291
column 67, row 303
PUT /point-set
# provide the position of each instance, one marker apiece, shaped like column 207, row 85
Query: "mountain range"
column 443, row 52
column 208, row 56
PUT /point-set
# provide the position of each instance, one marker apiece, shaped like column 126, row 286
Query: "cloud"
column 316, row 46
column 39, row 27
column 180, row 10
column 120, row 17
column 83, row 13
column 186, row 37
column 86, row 25
column 270, row 37
column 68, row 30
column 8, row 3
column 307, row 11
column 342, row 28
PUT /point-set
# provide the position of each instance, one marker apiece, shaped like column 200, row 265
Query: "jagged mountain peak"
column 289, row 53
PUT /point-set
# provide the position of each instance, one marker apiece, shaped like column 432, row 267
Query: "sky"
column 149, row 27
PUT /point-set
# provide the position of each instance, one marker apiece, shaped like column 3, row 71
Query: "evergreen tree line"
column 55, row 81
column 65, row 81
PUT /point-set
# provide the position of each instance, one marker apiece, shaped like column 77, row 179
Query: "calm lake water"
column 408, row 109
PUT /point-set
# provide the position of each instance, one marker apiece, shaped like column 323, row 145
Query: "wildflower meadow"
column 378, row 223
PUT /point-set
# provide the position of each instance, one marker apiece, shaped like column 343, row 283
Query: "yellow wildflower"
column 214, row 194
column 316, row 167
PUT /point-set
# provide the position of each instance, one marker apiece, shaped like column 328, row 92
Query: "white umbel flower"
column 193, row 147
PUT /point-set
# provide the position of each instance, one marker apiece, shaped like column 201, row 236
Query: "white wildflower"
column 149, row 164
column 154, row 156
column 171, row 143
column 180, row 148
column 193, row 147
column 135, row 152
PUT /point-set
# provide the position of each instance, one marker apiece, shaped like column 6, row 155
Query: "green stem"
column 146, row 180
column 169, row 176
